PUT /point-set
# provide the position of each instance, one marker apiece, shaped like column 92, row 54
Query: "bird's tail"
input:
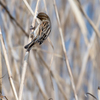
column 28, row 46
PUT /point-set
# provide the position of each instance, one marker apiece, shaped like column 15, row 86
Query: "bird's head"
column 43, row 16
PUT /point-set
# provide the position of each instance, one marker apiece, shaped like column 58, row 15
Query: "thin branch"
column 23, row 75
column 1, row 97
column 50, row 43
column 53, row 53
column 98, row 92
column 8, row 67
column 89, row 20
column 28, row 7
column 45, row 6
column 80, row 19
column 31, row 11
column 52, row 58
column 12, row 18
column 0, row 72
column 37, row 76
column 85, row 59
column 26, row 56
column 91, row 95
column 54, row 76
column 63, row 45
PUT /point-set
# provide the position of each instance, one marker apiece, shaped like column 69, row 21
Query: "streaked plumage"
column 43, row 30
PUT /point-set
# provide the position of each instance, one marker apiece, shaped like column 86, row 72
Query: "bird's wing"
column 44, row 27
column 41, row 31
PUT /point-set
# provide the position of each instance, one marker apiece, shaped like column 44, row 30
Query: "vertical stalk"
column 0, row 74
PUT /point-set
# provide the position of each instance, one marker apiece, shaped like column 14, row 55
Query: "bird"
column 42, row 31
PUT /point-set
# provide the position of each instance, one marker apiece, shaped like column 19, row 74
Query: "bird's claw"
column 32, row 28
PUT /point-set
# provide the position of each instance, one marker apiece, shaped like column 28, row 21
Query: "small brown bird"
column 42, row 30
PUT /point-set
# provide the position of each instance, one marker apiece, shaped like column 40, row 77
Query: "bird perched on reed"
column 42, row 31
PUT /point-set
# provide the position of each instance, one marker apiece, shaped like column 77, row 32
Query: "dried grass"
column 66, row 64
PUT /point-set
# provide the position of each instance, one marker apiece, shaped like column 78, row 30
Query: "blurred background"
column 82, row 46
